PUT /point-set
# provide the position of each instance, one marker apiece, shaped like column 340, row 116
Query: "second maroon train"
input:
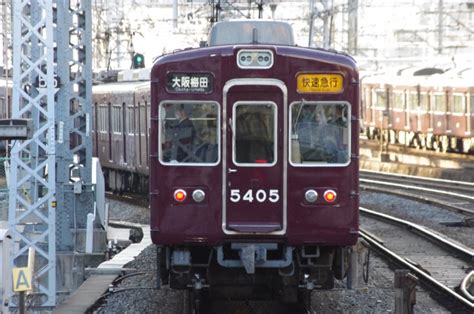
column 427, row 111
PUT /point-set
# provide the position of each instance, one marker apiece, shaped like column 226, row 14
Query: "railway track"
column 129, row 198
column 374, row 145
column 453, row 195
column 441, row 265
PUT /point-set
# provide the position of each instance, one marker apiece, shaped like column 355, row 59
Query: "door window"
column 254, row 130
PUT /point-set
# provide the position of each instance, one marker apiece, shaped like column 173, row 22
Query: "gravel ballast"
column 137, row 293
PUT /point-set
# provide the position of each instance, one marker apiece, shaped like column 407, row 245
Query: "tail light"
column 330, row 196
column 179, row 195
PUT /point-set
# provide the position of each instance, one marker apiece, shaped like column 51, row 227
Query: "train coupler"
column 198, row 283
column 307, row 284
column 253, row 255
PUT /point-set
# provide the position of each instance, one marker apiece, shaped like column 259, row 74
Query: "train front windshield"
column 189, row 133
column 320, row 134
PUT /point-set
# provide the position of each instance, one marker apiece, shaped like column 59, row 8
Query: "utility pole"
column 175, row 15
column 311, row 22
column 440, row 26
column 259, row 4
column 352, row 33
column 324, row 13
column 326, row 34
column 118, row 20
column 74, row 192
column 6, row 33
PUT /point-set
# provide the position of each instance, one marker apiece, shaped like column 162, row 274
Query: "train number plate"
column 251, row 196
column 319, row 83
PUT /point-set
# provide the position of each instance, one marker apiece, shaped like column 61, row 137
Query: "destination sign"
column 190, row 83
column 319, row 83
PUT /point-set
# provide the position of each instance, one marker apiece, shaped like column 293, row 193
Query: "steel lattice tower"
column 51, row 46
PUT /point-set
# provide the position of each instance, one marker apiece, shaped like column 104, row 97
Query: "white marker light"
column 311, row 196
column 198, row 196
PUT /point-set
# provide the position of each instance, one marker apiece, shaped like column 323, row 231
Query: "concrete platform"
column 105, row 274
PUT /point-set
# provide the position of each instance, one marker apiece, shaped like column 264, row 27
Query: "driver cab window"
column 320, row 133
column 189, row 133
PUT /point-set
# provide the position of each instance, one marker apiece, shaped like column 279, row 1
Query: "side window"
column 117, row 122
column 189, row 133
column 458, row 106
column 439, row 102
column 320, row 133
column 398, row 100
column 413, row 101
column 148, row 110
column 103, row 126
column 424, row 101
column 380, row 99
column 142, row 119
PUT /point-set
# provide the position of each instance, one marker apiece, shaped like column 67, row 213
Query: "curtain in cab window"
column 189, row 133
column 320, row 134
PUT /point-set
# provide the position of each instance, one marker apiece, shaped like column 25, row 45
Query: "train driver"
column 183, row 134
column 320, row 129
column 337, row 117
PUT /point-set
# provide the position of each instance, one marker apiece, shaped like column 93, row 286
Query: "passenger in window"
column 183, row 135
column 311, row 129
column 337, row 118
column 336, row 146
column 206, row 149
column 321, row 138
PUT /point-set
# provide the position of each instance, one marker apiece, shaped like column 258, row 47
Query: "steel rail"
column 466, row 188
column 466, row 285
column 425, row 279
column 421, row 198
column 465, row 253
column 406, row 176
column 418, row 188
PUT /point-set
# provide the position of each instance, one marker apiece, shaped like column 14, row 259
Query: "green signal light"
column 138, row 61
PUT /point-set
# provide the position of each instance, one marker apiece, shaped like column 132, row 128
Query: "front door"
column 255, row 157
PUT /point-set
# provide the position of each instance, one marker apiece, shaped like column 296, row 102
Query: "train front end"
column 254, row 166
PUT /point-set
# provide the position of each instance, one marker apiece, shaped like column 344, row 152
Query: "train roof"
column 118, row 87
column 444, row 80
column 329, row 56
column 250, row 32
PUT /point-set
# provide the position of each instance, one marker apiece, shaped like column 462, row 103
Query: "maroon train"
column 251, row 150
column 121, row 112
column 254, row 163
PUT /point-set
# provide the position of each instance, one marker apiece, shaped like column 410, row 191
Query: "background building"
column 404, row 31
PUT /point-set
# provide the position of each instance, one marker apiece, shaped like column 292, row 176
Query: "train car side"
column 120, row 134
column 433, row 112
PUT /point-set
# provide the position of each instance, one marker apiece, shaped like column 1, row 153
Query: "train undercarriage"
column 251, row 271
column 122, row 181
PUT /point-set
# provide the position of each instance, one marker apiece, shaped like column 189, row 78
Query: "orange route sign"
column 319, row 83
